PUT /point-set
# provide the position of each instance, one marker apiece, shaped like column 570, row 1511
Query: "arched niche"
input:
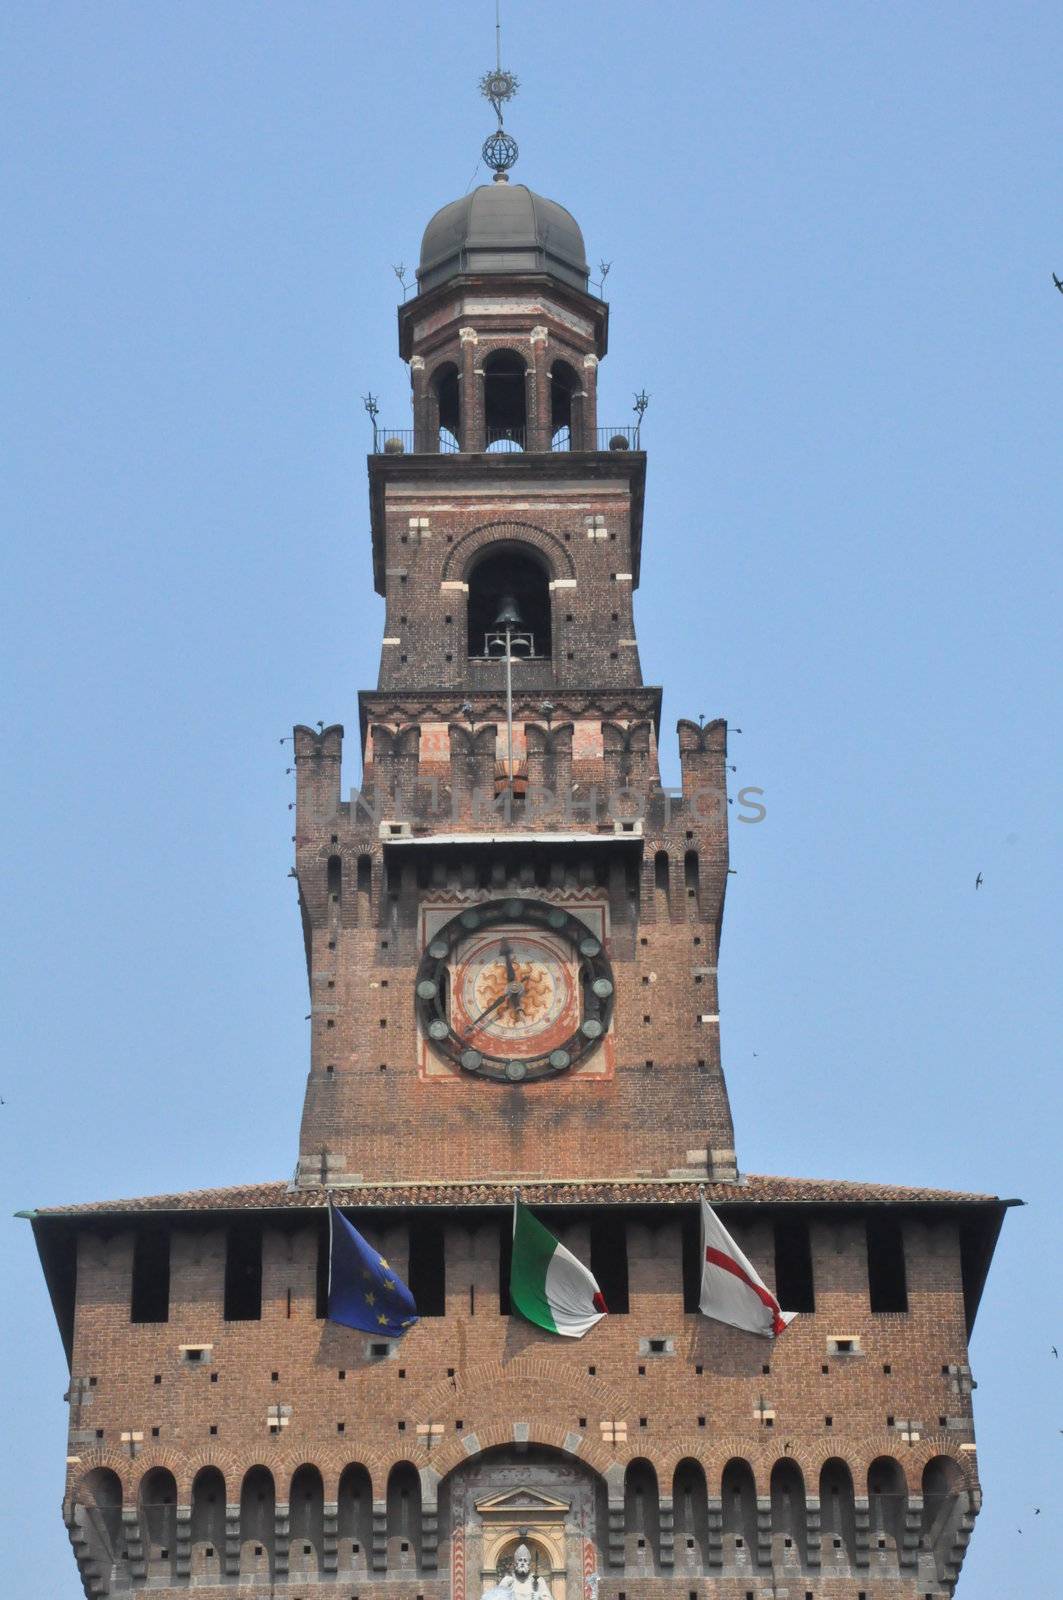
column 837, row 1516
column 258, row 1506
column 945, row 1503
column 642, row 1519
column 404, row 1518
column 887, row 1500
column 690, row 1511
column 157, row 1505
column 208, row 1525
column 98, row 1516
column 354, row 1519
column 789, row 1525
column 306, row 1514
column 738, row 1494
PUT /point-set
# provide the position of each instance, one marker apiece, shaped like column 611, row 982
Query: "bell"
column 509, row 614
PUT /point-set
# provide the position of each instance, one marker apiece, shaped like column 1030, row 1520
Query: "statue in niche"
column 521, row 1583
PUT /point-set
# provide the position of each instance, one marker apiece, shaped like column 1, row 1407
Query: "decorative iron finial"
column 642, row 400
column 372, row 406
column 500, row 149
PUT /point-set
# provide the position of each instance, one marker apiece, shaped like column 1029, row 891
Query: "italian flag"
column 546, row 1282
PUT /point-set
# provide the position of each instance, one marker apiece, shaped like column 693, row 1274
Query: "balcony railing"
column 500, row 441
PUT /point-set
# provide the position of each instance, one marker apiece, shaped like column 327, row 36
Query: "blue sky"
column 832, row 229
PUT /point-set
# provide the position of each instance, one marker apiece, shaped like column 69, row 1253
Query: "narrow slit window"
column 886, row 1275
column 609, row 1261
column 150, row 1301
column 428, row 1276
column 794, row 1285
column 243, row 1273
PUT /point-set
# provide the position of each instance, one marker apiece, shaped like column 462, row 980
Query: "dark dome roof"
column 502, row 227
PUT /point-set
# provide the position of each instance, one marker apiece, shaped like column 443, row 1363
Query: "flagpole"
column 328, row 1291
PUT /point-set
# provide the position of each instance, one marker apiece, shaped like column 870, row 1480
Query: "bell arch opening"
column 505, row 401
column 511, row 584
column 565, row 410
column 446, row 400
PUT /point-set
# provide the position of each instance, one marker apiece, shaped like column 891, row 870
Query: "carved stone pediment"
column 524, row 1502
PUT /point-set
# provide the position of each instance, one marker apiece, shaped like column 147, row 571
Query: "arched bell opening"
column 505, row 401
column 445, row 391
column 566, row 410
column 509, row 585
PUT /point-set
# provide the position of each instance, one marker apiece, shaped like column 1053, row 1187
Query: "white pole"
column 509, row 706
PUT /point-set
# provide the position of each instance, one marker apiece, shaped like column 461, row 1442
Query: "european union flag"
column 363, row 1291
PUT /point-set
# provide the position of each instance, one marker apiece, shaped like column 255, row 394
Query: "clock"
column 514, row 990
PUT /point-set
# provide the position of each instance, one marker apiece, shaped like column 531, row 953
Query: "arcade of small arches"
column 542, row 403
column 689, row 1514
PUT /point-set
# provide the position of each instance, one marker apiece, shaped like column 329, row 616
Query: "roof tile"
column 750, row 1189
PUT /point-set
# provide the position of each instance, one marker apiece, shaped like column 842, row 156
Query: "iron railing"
column 402, row 442
column 629, row 435
column 499, row 441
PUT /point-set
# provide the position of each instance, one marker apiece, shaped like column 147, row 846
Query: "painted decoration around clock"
column 513, row 989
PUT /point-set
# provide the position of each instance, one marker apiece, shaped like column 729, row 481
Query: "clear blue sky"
column 832, row 228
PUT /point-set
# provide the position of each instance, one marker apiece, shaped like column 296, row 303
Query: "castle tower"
column 512, row 934
column 543, row 796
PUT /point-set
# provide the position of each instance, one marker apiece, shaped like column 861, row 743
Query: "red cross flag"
column 731, row 1290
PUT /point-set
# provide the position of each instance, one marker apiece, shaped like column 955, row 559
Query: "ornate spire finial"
column 500, row 149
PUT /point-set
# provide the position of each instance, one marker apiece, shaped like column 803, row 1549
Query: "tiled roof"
column 751, row 1189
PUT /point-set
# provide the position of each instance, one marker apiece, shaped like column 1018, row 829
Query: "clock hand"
column 507, row 956
column 475, row 1023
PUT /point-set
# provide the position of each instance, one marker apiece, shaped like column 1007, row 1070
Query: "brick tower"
column 511, row 938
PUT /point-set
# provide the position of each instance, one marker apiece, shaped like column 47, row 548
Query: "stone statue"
column 520, row 1584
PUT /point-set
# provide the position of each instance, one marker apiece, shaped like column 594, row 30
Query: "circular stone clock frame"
column 595, row 983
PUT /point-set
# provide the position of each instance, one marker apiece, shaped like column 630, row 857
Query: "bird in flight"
column 978, row 882
column 1055, row 1352
column 1057, row 283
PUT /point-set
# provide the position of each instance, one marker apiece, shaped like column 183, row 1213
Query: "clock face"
column 514, row 990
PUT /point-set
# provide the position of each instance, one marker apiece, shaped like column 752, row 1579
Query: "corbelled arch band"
column 608, row 1461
